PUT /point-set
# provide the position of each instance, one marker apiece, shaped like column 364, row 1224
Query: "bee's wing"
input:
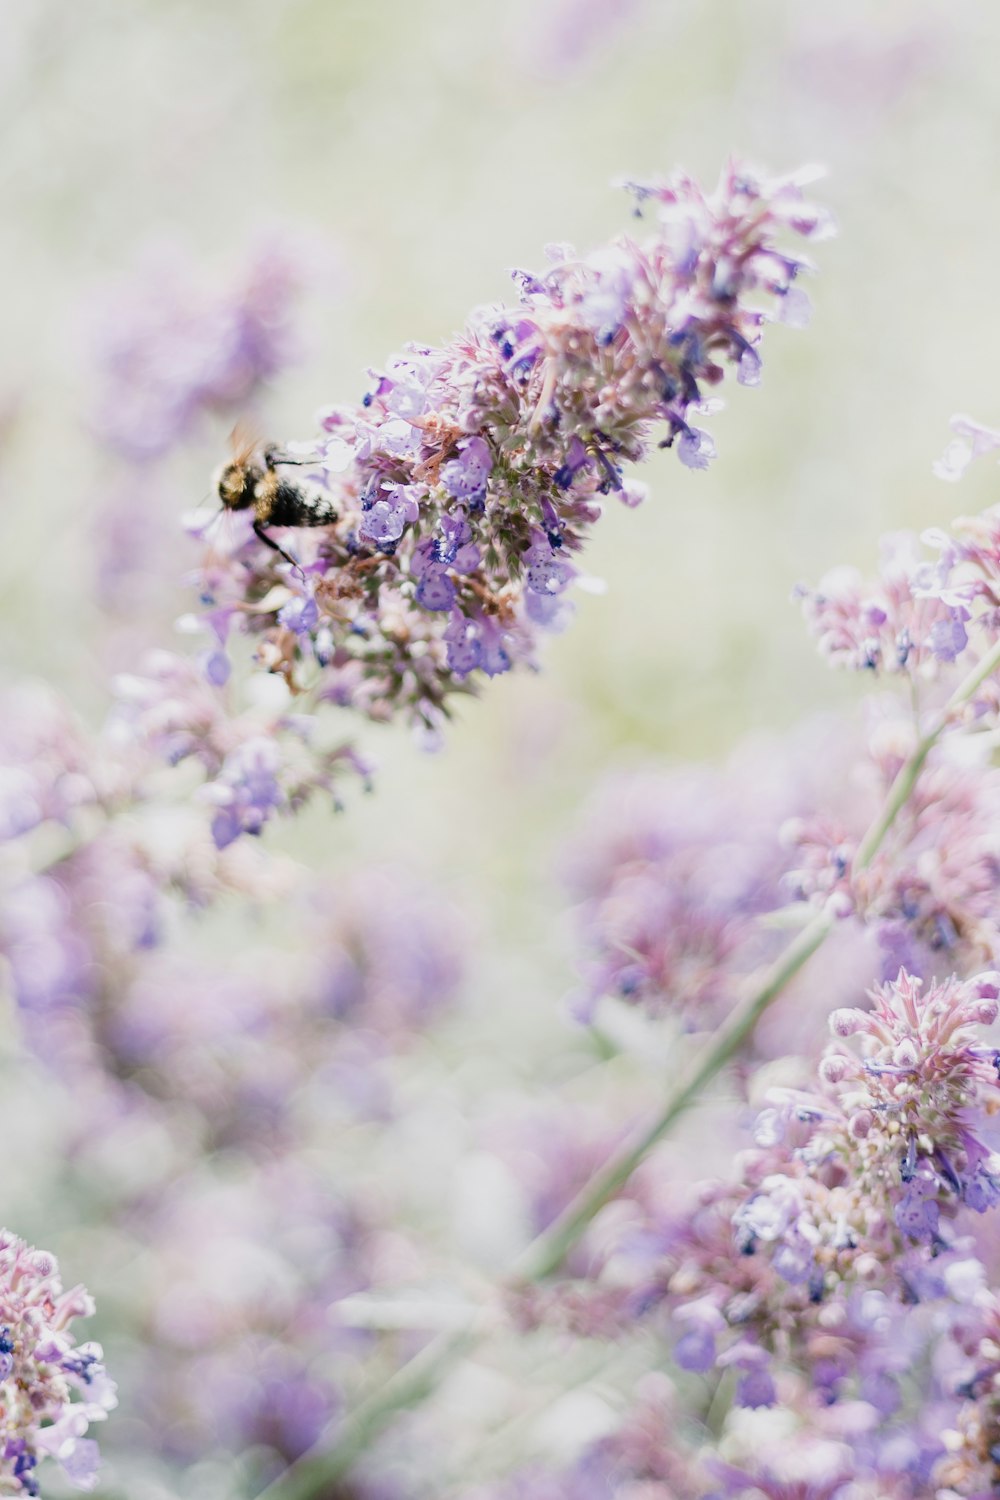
column 244, row 441
column 225, row 533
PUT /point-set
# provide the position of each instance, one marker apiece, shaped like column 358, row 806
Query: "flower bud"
column 905, row 1055
column 846, row 1022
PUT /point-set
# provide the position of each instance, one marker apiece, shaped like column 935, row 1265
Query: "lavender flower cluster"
column 848, row 1182
column 932, row 611
column 467, row 479
column 673, row 871
column 254, row 763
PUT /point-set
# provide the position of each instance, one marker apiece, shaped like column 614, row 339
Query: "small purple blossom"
column 695, row 1350
column 917, row 1212
column 465, row 476
column 385, row 520
column 695, row 448
column 546, row 572
column 949, row 637
column 435, row 591
column 300, row 615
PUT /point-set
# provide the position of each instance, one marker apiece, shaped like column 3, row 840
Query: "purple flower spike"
column 470, row 474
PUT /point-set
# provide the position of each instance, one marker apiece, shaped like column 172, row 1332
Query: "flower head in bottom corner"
column 41, row 1367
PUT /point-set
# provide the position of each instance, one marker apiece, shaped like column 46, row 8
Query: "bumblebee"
column 251, row 481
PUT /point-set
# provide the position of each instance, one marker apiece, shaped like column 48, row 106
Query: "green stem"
column 902, row 787
column 317, row 1473
column 306, row 1479
column 549, row 1250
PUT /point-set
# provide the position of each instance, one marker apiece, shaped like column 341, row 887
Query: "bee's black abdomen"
column 284, row 503
column 292, row 506
column 322, row 511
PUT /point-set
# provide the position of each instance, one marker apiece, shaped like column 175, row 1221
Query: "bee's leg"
column 270, row 542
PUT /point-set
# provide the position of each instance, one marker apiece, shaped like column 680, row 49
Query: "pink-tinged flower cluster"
column 932, row 891
column 887, row 1152
column 673, row 871
column 917, row 1096
column 929, row 617
column 51, row 1388
column 172, row 344
column 256, row 764
column 897, row 622
column 467, row 479
column 752, row 1288
column 845, row 1216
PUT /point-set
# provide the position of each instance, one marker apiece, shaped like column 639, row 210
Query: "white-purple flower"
column 50, row 1389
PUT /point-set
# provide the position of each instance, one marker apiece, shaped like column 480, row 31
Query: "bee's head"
column 235, row 485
